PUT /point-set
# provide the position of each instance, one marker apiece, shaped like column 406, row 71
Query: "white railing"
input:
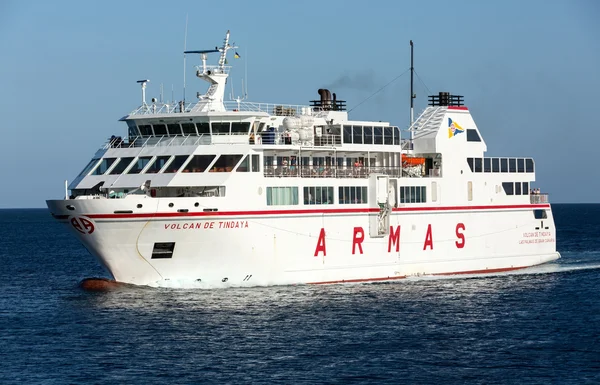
column 157, row 141
column 329, row 171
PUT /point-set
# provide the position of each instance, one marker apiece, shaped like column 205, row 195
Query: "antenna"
column 412, row 95
column 184, row 52
column 161, row 93
column 143, row 84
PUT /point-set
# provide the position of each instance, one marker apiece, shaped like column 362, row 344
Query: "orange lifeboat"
column 412, row 161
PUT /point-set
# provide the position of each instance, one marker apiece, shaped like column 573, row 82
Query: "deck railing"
column 538, row 198
column 328, row 171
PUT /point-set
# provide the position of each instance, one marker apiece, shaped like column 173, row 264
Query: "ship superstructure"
column 265, row 194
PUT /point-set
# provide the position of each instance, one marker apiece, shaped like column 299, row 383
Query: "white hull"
column 278, row 247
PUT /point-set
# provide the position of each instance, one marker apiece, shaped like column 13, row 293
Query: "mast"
column 412, row 95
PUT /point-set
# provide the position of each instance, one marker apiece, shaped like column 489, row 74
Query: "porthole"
column 171, row 205
column 139, row 206
column 196, row 204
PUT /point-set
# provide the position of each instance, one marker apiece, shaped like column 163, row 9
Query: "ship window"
column 508, row 188
column 520, row 165
column 240, row 127
column 132, row 129
column 243, row 167
column 339, row 162
column 139, row 164
column 525, row 188
column 504, row 165
column 175, row 165
column 198, row 163
column 413, row 194
column 495, row 165
column 517, row 188
column 378, row 135
column 470, row 162
column 472, row 135
column 188, row 129
column 357, row 134
column 121, row 166
column 103, row 166
column 255, row 163
column 226, row 163
column 368, row 134
column 174, row 129
column 478, row 165
column 528, row 165
column 352, row 195
column 388, row 135
column 347, row 134
column 268, row 160
column 540, row 214
column 163, row 250
column 145, row 129
column 158, row 164
column 487, row 165
column 89, row 167
column 282, row 196
column 318, row 195
column 396, row 135
column 159, row 129
column 203, row 128
column 220, row 128
column 512, row 165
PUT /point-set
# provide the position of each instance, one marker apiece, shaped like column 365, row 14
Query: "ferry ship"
column 247, row 193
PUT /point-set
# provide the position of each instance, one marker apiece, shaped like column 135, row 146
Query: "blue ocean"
column 535, row 326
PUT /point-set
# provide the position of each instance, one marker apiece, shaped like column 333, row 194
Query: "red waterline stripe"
column 458, row 108
column 323, row 211
column 499, row 270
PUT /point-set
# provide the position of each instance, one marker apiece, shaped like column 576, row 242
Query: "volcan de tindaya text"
column 271, row 194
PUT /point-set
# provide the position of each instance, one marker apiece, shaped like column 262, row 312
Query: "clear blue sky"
column 529, row 71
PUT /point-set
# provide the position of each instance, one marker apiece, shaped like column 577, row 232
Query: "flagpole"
column 412, row 96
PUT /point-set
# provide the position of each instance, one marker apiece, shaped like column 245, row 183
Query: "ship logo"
column 454, row 128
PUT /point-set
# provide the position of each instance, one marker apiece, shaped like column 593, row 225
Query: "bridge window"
column 478, row 165
column 495, row 165
column 132, row 129
column 388, row 137
column 226, row 163
column 203, row 128
column 487, row 165
column 220, row 128
column 145, row 129
column 368, row 133
column 89, row 167
column 520, row 165
column 357, row 134
column 512, row 165
column 471, row 165
column 525, row 190
column 188, row 128
column 282, row 196
column 472, row 135
column 103, row 166
column 198, row 163
column 175, row 165
column 174, row 129
column 504, row 165
column 396, row 135
column 413, row 194
column 122, row 164
column 352, row 195
column 240, row 127
column 139, row 164
column 528, row 165
column 347, row 134
column 160, row 129
column 318, row 195
column 158, row 164
column 378, row 135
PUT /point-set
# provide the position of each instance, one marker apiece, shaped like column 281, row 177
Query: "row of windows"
column 413, row 194
column 178, row 129
column 318, row 195
column 371, row 135
column 473, row 135
column 501, row 164
column 169, row 164
column 352, row 194
column 516, row 188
